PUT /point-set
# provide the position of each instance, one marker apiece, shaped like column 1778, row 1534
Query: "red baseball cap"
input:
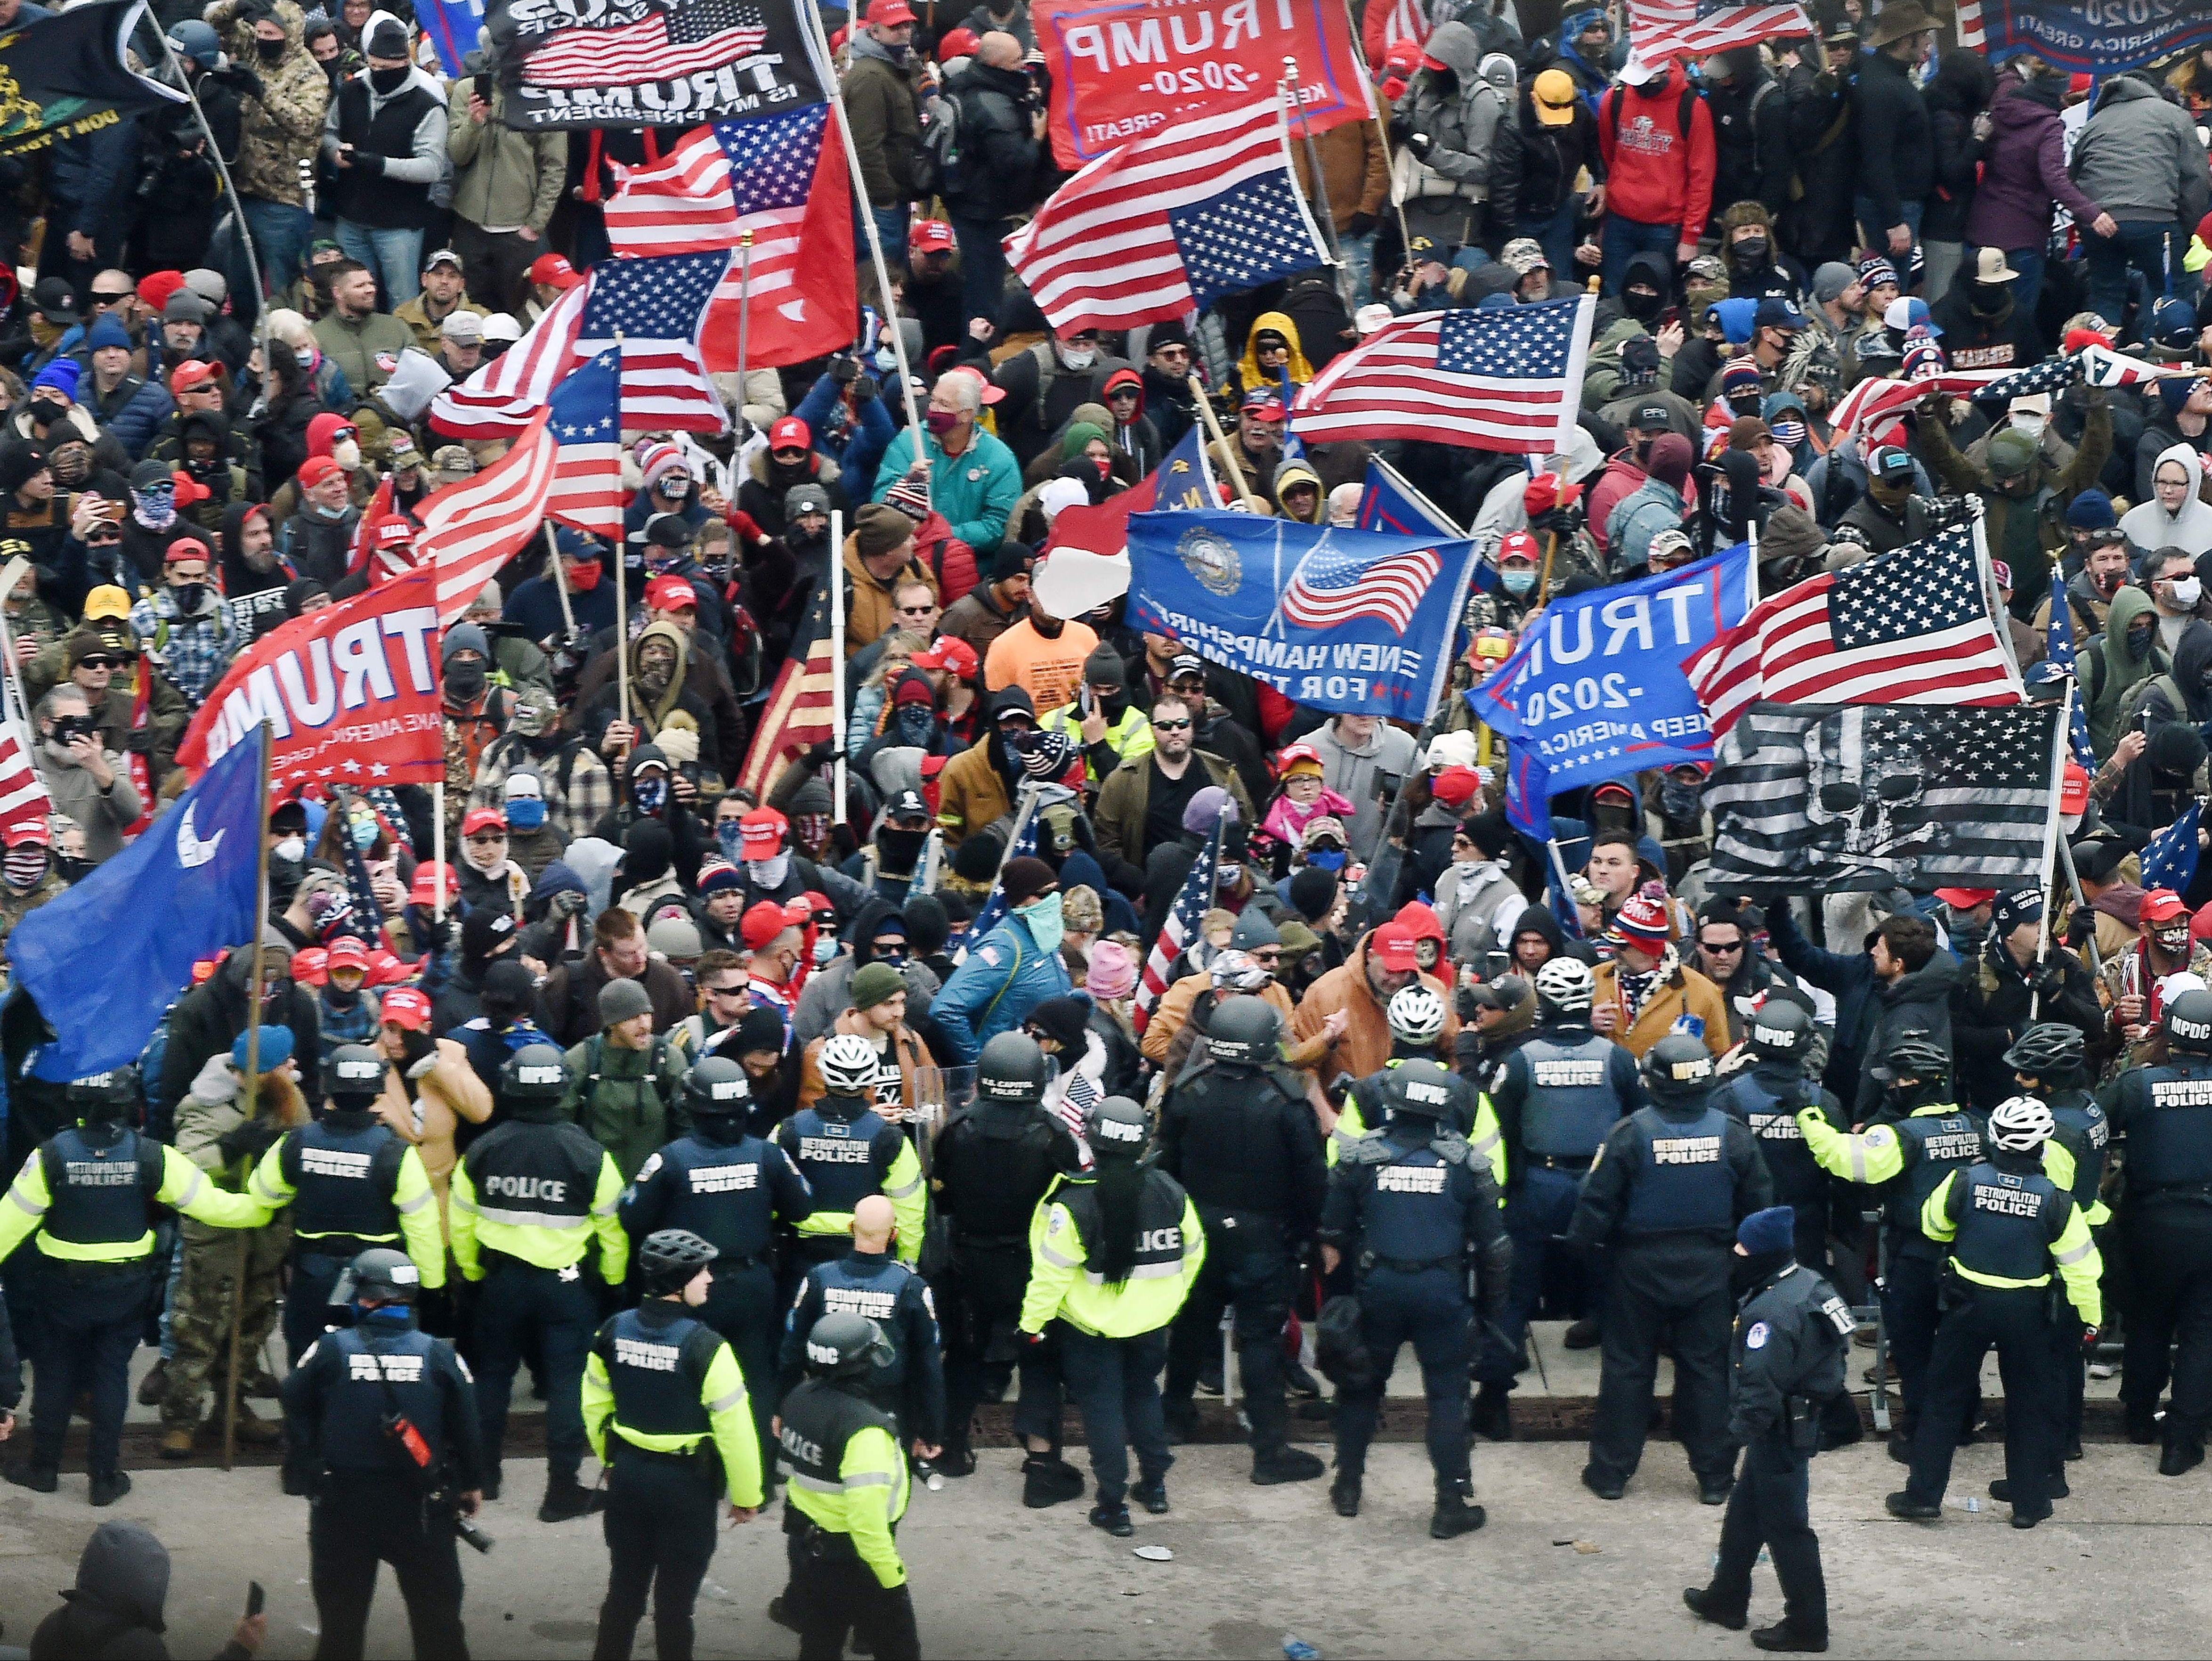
column 2162, row 905
column 1518, row 544
column 1455, row 786
column 889, row 14
column 1392, row 946
column 1966, row 899
column 2073, row 790
column 934, row 235
column 184, row 547
column 406, row 1006
column 385, row 970
column 311, row 966
column 1546, row 491
column 948, row 651
column 554, row 271
column 762, row 832
column 346, row 951
column 27, row 831
column 314, row 470
column 190, row 489
column 483, row 819
column 763, row 922
column 190, row 374
column 423, row 891
column 668, row 593
column 789, row 434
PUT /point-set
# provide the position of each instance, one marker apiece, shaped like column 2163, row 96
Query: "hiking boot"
column 176, row 1442
column 1114, row 1519
column 1344, row 1493
column 1702, row 1604
column 155, row 1385
column 2179, row 1458
column 109, row 1486
column 1285, row 1464
column 254, row 1432
column 1454, row 1516
column 1782, row 1636
column 565, row 1497
column 1049, row 1480
column 36, row 1475
column 1152, row 1495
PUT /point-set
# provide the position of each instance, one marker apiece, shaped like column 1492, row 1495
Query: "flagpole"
column 251, row 1090
column 837, row 659
column 438, row 848
column 12, row 703
column 745, row 319
column 1228, row 462
column 1566, row 886
column 2061, row 749
column 2081, row 903
column 622, row 605
column 1320, row 184
column 560, row 579
column 237, row 207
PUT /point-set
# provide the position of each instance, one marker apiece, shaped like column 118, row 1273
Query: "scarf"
column 1637, row 990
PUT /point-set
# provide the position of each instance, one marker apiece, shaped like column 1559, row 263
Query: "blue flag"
column 1596, row 690
column 104, row 960
column 1389, row 504
column 2060, row 651
column 452, row 27
column 1346, row 621
column 2170, row 860
column 1021, row 845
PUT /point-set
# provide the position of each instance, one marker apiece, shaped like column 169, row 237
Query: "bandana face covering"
column 768, row 873
column 156, row 506
column 1044, row 918
column 23, row 867
column 650, row 793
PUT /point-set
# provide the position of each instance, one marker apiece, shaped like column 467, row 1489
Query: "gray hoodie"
column 2139, row 157
column 115, row 1608
column 1351, row 773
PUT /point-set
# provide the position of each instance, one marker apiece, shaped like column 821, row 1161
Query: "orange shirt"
column 1049, row 671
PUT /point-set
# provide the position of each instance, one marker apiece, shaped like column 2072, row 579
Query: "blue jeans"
column 1877, row 236
column 983, row 265
column 1116, row 1385
column 2027, row 286
column 1358, row 255
column 2143, row 244
column 281, row 233
column 1557, row 235
column 890, row 229
column 395, row 257
column 1623, row 238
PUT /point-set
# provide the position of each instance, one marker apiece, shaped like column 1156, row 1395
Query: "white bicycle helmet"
column 1565, row 984
column 2021, row 1125
column 1416, row 1015
column 848, row 1064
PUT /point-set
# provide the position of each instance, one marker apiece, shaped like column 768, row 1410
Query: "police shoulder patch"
column 1839, row 1315
column 1757, row 1337
column 645, row 1172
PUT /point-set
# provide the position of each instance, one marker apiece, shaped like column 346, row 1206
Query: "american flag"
column 2059, row 649
column 473, row 528
column 2169, row 859
column 719, row 181
column 683, row 38
column 1911, row 626
column 1021, row 844
column 796, row 717
column 1508, row 380
column 1883, row 795
column 1386, row 24
column 1171, row 222
column 1665, row 29
column 498, row 400
column 1333, row 585
column 585, row 418
column 653, row 309
column 1182, row 926
column 23, row 798
column 2103, row 367
column 1870, row 402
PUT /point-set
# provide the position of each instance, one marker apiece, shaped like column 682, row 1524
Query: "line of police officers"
column 1650, row 1181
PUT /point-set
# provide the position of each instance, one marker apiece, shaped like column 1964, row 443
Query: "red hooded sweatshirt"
column 1655, row 174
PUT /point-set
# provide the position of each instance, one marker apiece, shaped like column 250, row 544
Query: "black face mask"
column 72, row 870
column 188, row 597
column 271, row 50
column 1988, row 299
column 1751, row 253
column 339, row 999
column 1640, row 305
column 465, row 680
column 387, row 82
column 899, row 850
column 1115, row 705
column 44, row 412
column 1745, row 1273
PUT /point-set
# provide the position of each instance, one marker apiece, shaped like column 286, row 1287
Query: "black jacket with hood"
column 255, row 599
column 207, row 1021
column 113, row 1613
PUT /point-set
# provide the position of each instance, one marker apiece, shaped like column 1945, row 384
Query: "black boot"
column 1284, row 1463
column 1114, row 1519
column 2143, row 1427
column 565, row 1497
column 109, row 1486
column 1782, row 1636
column 1152, row 1494
column 958, row 1459
column 1344, row 1493
column 1454, row 1516
column 1702, row 1605
column 2182, row 1455
column 1048, row 1479
column 1902, row 1504
column 1492, row 1414
column 39, row 1475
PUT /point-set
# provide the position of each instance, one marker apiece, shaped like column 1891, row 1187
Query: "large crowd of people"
column 813, row 1013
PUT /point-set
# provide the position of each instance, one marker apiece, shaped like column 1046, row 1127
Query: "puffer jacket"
column 2024, row 169
column 283, row 125
column 2139, row 158
column 1461, row 112
column 1005, row 975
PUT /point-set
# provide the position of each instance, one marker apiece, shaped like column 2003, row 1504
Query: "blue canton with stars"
column 702, row 20
column 1524, row 342
column 772, row 160
column 1251, row 233
column 586, row 405
column 658, row 299
column 1917, row 590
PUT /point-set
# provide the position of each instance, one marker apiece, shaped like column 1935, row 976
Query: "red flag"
column 804, row 300
column 473, row 528
column 350, row 693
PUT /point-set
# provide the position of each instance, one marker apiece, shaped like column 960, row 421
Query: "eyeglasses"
column 915, row 611
column 1717, row 948
column 1171, row 725
column 739, row 990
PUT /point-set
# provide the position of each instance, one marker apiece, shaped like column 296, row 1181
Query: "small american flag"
column 1331, row 585
column 473, row 528
column 685, row 39
column 1169, row 223
column 2059, row 649
column 23, row 798
column 720, row 181
column 1911, row 626
column 1181, row 929
column 498, row 400
column 1508, row 380
column 1664, row 29
column 1022, row 844
column 2170, row 860
column 1870, row 402
column 2103, row 367
column 796, row 717
column 652, row 310
column 585, row 421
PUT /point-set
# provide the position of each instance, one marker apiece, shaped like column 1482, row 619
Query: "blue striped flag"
column 1022, row 844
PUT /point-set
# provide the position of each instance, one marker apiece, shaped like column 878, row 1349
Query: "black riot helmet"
column 1678, row 1070
column 109, row 1098
column 533, row 1080
column 378, row 1276
column 717, row 1088
column 1915, row 1055
column 2050, row 1052
column 353, row 1078
column 1010, row 1070
column 1115, row 1127
column 846, row 1346
column 1419, row 1089
column 1244, row 1032
column 670, row 1258
column 1781, row 1030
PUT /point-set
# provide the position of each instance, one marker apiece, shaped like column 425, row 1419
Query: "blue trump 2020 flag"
column 104, row 960
column 1596, row 690
column 1347, row 621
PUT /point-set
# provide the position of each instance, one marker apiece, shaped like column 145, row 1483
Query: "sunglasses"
column 738, row 990
column 101, row 299
column 915, row 611
column 1710, row 946
column 97, row 660
column 1115, row 396
column 485, row 838
column 1171, row 725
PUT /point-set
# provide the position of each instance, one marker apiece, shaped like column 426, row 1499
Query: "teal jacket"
column 975, row 490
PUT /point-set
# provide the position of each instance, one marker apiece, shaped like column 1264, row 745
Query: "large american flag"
column 654, row 309
column 1333, row 585
column 1171, row 222
column 720, row 182
column 23, row 798
column 683, row 39
column 1881, row 796
column 473, row 528
column 1664, row 29
column 1182, row 926
column 796, row 717
column 1508, row 380
column 1872, row 402
column 1911, row 626
column 585, row 420
column 499, row 399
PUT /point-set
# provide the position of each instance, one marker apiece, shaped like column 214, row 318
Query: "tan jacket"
column 1119, row 816
column 911, row 1053
column 1167, row 1021
column 449, row 1093
column 1351, row 165
column 869, row 612
column 970, row 794
column 215, row 1107
column 1364, row 1044
column 1684, row 992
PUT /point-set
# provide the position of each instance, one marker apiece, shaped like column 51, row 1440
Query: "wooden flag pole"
column 560, row 578
column 251, row 1090
column 1228, row 461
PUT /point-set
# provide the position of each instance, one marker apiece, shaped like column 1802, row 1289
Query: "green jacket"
column 976, row 490
column 502, row 178
column 356, row 346
column 627, row 1099
column 886, row 118
column 2110, row 675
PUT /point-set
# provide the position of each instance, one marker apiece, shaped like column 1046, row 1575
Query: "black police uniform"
column 730, row 1194
column 995, row 1163
column 1792, row 1339
column 2083, row 1130
column 877, row 1287
column 1666, row 1195
column 2166, row 1227
column 1242, row 1141
column 833, row 1586
column 1557, row 1097
column 1405, row 1205
column 372, row 1501
column 835, row 1125
column 343, row 1169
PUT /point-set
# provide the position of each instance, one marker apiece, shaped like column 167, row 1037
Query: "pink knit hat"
column 1113, row 971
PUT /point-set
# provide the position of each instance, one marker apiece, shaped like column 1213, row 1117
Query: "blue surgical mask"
column 1517, row 582
column 1329, row 859
column 525, row 812
column 364, row 834
column 1044, row 918
column 731, row 835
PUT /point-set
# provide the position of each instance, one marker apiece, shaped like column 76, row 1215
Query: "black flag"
column 67, row 76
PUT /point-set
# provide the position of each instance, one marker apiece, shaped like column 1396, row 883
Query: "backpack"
column 939, row 164
column 1681, row 114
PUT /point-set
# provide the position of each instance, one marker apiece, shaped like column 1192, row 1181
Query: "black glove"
column 864, row 390
column 247, row 1140
column 245, row 82
column 433, row 1312
column 1360, row 224
column 568, row 902
column 2050, row 982
column 1420, row 143
column 822, row 755
column 2080, row 927
column 843, row 370
column 369, row 163
column 1561, row 521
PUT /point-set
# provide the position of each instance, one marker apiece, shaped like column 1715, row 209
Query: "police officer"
column 665, row 1408
column 2008, row 1226
column 1908, row 1155
column 1416, row 1016
column 1768, row 1096
column 382, row 1418
column 1666, row 1192
column 354, row 1183
column 1113, row 1254
column 1792, row 1338
column 1236, row 1132
column 1556, row 1097
column 996, row 1160
column 849, row 1489
column 730, row 1189
column 530, row 1200
column 845, row 1149
column 2048, row 1063
column 88, row 1193
column 1406, row 1205
column 869, row 1280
